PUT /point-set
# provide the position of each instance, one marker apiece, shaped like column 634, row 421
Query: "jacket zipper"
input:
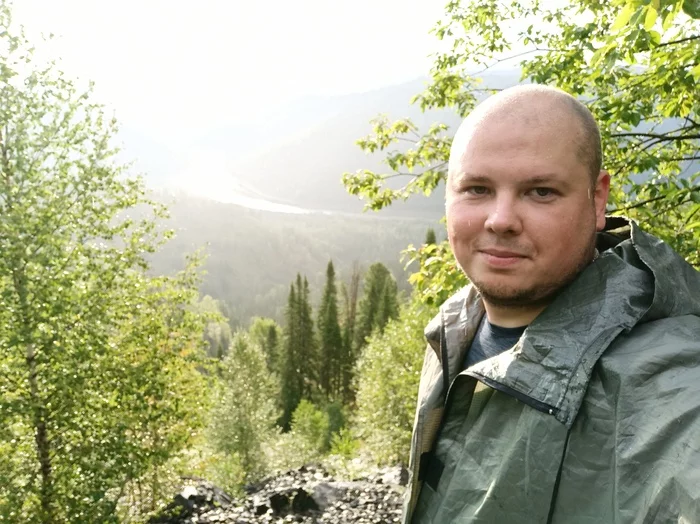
column 522, row 397
column 447, row 383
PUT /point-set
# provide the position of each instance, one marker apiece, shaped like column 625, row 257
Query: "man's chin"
column 516, row 298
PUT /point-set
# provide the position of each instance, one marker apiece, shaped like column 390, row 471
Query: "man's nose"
column 504, row 216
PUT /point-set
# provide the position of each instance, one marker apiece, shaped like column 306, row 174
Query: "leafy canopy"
column 99, row 379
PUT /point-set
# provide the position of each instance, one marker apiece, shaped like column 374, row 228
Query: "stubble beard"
column 539, row 295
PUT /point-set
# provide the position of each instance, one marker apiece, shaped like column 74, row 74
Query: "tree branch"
column 648, row 201
column 414, row 175
column 638, row 204
column 660, row 138
column 396, row 175
column 680, row 41
column 517, row 55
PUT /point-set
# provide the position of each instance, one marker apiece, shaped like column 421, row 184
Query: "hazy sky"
column 167, row 65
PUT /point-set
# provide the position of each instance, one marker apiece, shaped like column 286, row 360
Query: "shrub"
column 388, row 374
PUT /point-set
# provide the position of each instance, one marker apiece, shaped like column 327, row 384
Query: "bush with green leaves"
column 388, row 374
column 310, row 427
column 244, row 414
column 306, row 442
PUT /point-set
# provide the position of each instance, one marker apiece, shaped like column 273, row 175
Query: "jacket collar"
column 553, row 361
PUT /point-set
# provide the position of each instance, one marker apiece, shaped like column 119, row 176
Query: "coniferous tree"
column 309, row 364
column 375, row 308
column 430, row 237
column 266, row 333
column 388, row 305
column 291, row 386
column 331, row 340
column 299, row 362
column 350, row 295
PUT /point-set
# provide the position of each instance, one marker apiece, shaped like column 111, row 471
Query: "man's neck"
column 512, row 317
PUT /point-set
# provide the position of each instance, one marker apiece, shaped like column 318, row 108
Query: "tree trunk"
column 40, row 415
column 43, row 444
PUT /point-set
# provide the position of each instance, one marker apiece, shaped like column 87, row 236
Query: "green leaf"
column 623, row 17
column 696, row 72
column 692, row 8
column 650, row 18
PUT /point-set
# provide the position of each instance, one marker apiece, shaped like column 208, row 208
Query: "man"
column 563, row 384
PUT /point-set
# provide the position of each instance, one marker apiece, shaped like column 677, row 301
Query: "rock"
column 303, row 503
column 326, row 494
column 307, row 495
column 397, row 476
column 279, row 503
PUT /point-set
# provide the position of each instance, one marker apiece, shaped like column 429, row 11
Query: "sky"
column 174, row 68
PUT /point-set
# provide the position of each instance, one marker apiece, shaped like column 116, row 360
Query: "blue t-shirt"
column 491, row 340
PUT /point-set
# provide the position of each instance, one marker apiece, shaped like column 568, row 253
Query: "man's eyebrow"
column 472, row 177
column 544, row 179
column 547, row 180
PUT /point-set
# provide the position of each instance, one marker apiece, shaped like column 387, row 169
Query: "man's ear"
column 600, row 198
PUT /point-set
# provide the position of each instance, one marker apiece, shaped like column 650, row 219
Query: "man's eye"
column 543, row 192
column 477, row 190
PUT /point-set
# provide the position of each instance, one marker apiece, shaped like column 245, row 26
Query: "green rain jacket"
column 592, row 417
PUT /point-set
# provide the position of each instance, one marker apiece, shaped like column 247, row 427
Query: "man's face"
column 522, row 210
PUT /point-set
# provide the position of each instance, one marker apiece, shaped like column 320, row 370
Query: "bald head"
column 538, row 106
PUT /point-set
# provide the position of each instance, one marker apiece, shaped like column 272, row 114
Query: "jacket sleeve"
column 657, row 426
column 429, row 409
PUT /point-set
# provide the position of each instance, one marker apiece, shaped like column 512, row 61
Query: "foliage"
column 99, row 386
column 267, row 334
column 430, row 237
column 299, row 362
column 379, row 303
column 306, row 441
column 633, row 62
column 344, row 444
column 217, row 333
column 437, row 275
column 310, row 427
column 225, row 471
column 388, row 374
column 245, row 411
column 333, row 356
column 337, row 418
column 350, row 294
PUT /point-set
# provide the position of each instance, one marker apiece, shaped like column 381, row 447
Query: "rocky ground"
column 306, row 495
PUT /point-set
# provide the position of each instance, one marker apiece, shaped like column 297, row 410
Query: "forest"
column 131, row 358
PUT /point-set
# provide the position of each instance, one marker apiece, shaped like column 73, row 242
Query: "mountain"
column 296, row 154
column 305, row 169
column 253, row 256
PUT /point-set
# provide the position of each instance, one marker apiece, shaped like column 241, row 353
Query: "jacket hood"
column 637, row 278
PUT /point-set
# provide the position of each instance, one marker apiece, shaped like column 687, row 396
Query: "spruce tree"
column 266, row 333
column 331, row 340
column 430, row 238
column 388, row 307
column 379, row 303
column 350, row 295
column 291, row 385
column 309, row 365
column 299, row 362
